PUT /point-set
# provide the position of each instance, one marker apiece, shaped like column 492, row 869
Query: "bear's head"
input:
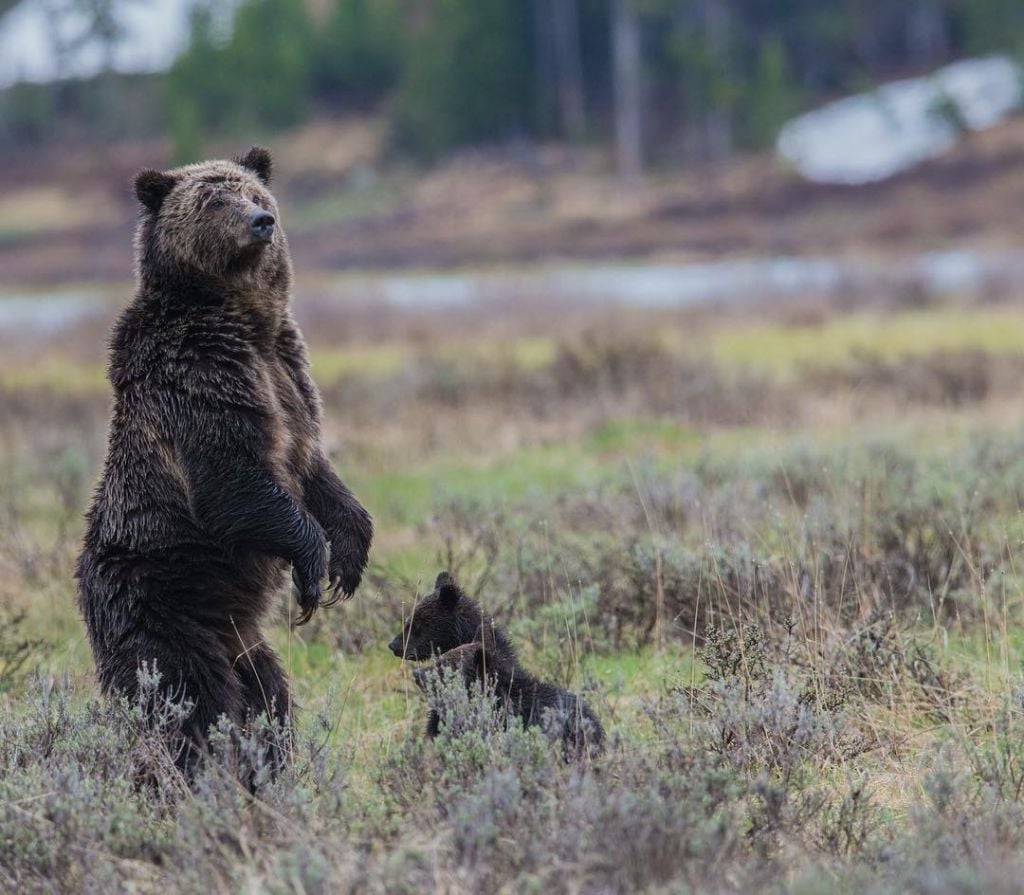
column 441, row 621
column 212, row 220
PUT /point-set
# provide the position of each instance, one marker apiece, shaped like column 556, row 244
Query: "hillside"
column 66, row 214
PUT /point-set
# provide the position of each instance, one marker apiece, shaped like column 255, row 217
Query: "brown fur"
column 450, row 628
column 215, row 480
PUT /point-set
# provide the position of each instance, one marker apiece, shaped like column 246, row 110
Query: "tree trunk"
column 566, row 22
column 926, row 32
column 559, row 69
column 628, row 89
column 718, row 138
column 545, row 66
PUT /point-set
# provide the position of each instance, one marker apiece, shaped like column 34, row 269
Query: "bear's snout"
column 396, row 646
column 261, row 225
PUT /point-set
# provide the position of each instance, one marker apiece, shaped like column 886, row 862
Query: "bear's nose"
column 396, row 646
column 261, row 224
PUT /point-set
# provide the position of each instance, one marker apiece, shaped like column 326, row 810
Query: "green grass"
column 407, row 497
column 778, row 349
column 372, row 701
column 331, row 364
column 58, row 374
column 375, row 714
column 328, row 365
column 784, row 349
column 652, row 435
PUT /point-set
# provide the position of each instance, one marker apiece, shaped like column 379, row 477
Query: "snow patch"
column 872, row 136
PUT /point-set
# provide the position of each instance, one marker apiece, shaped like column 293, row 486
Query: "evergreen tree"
column 359, row 53
column 259, row 78
column 772, row 96
column 198, row 95
column 467, row 76
column 656, row 79
column 267, row 63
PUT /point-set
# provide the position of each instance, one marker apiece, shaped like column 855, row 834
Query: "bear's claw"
column 346, row 573
column 309, row 598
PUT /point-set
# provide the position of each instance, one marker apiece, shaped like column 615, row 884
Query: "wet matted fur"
column 215, row 480
column 450, row 628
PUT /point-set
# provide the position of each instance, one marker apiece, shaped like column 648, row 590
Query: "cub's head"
column 441, row 621
column 215, row 219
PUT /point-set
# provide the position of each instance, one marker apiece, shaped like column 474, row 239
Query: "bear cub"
column 450, row 628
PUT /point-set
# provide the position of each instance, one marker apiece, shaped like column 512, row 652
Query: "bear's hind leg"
column 192, row 667
column 265, row 690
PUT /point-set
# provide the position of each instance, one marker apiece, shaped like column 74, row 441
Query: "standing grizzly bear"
column 215, row 479
column 450, row 628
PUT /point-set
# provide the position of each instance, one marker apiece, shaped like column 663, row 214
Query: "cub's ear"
column 448, row 591
column 258, row 161
column 152, row 187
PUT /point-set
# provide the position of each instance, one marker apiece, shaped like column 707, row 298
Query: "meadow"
column 776, row 550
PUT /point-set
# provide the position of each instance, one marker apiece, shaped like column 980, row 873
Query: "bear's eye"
column 216, row 202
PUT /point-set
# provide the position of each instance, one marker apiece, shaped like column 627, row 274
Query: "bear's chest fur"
column 288, row 424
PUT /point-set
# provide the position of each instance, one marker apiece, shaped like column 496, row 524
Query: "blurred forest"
column 660, row 82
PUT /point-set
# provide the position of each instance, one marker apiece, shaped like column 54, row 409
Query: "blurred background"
column 557, row 260
column 417, row 134
column 688, row 333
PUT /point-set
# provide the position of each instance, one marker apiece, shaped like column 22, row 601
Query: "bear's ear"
column 152, row 187
column 448, row 591
column 258, row 161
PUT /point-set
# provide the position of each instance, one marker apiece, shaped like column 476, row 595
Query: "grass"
column 785, row 349
column 408, row 497
column 797, row 612
column 331, row 365
column 42, row 209
column 58, row 374
column 780, row 349
column 377, row 197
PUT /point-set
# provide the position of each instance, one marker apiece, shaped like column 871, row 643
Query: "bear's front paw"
column 306, row 576
column 350, row 552
column 346, row 571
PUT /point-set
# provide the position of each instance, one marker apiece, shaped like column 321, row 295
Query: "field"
column 777, row 551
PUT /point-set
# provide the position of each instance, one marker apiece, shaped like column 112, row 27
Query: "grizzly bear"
column 215, row 479
column 451, row 628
